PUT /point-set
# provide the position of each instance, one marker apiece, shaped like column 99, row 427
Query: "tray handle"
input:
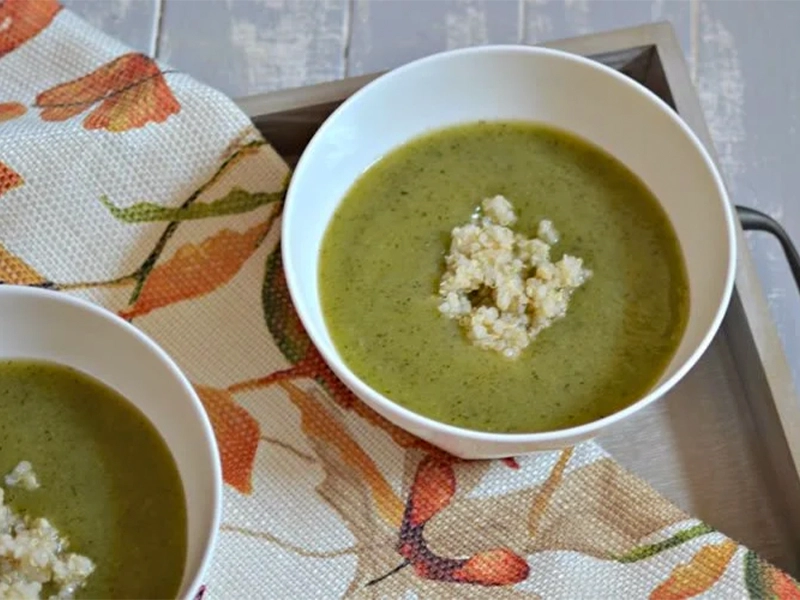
column 754, row 220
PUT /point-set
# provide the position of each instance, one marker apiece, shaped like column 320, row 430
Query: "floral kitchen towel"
column 130, row 184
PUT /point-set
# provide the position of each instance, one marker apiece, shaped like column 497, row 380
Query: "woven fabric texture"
column 132, row 185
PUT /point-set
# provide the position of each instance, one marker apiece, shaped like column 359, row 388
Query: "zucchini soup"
column 91, row 501
column 504, row 277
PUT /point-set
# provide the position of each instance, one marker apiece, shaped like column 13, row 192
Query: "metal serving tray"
column 725, row 444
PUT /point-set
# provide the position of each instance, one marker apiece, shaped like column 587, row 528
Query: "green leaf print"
column 642, row 552
column 282, row 320
column 756, row 586
column 235, row 202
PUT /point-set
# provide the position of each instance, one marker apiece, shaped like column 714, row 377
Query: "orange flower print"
column 197, row 269
column 11, row 110
column 20, row 20
column 431, row 492
column 698, row 574
column 9, row 179
column 15, row 271
column 332, row 439
column 237, row 434
column 131, row 92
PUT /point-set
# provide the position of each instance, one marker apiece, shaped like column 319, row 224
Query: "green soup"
column 108, row 480
column 382, row 257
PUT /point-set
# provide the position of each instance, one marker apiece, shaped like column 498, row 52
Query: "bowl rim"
column 190, row 589
column 419, row 421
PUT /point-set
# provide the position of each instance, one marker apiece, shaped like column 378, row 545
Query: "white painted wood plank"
column 388, row 33
column 245, row 47
column 547, row 20
column 749, row 87
column 131, row 21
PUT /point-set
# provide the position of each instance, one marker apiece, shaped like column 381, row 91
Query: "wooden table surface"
column 740, row 53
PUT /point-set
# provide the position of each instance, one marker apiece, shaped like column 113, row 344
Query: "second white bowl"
column 51, row 326
column 519, row 83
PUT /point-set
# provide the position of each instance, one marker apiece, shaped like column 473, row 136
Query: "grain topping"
column 501, row 286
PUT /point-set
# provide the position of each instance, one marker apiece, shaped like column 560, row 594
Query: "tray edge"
column 749, row 297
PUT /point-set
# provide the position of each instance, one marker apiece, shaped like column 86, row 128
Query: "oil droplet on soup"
column 108, row 480
column 381, row 260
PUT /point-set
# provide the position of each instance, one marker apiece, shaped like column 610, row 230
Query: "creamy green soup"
column 382, row 257
column 108, row 480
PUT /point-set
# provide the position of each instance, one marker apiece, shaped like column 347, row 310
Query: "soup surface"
column 382, row 259
column 108, row 480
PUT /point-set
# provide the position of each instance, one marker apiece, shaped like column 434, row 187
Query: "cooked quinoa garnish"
column 33, row 554
column 502, row 287
column 22, row 476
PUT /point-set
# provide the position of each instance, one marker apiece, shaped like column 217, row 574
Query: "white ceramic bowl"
column 45, row 325
column 514, row 82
